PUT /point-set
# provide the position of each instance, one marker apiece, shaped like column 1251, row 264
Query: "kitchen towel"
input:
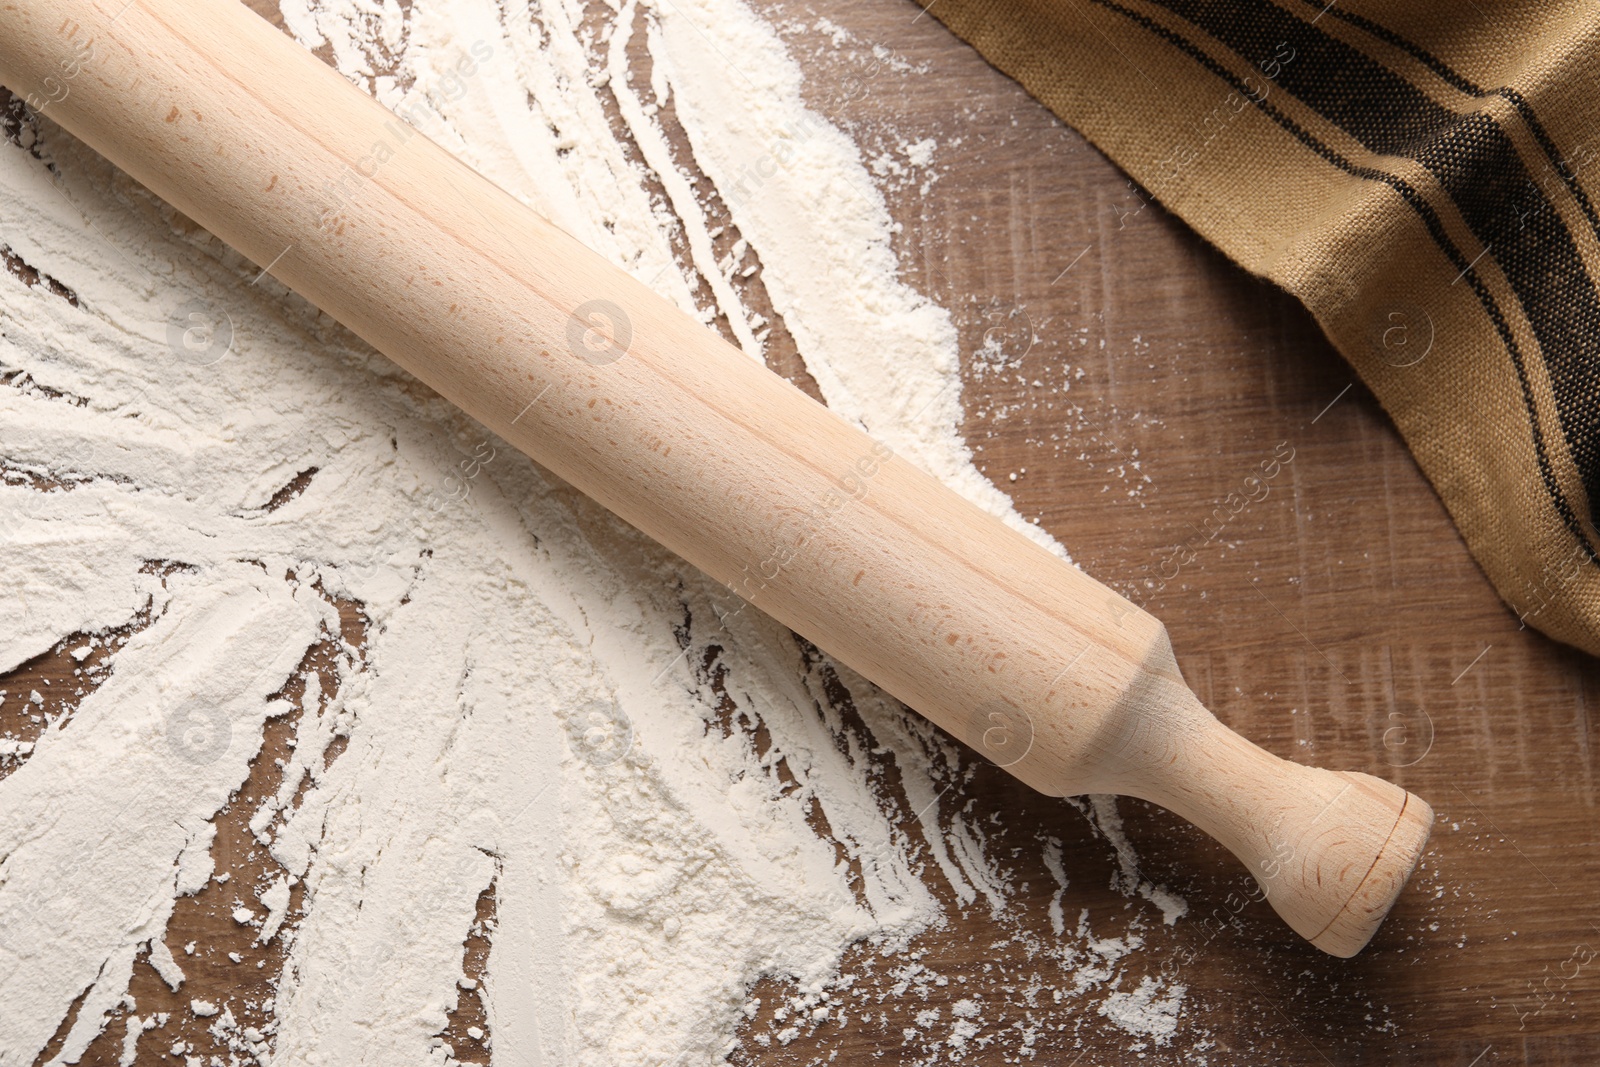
column 1420, row 176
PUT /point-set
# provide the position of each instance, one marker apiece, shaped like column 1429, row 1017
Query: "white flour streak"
column 653, row 146
column 102, row 797
column 534, row 710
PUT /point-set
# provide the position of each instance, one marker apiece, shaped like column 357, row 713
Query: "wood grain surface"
column 1132, row 380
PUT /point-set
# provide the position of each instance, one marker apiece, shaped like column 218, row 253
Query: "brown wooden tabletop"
column 1132, row 380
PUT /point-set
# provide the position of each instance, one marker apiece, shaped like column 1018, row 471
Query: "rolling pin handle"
column 1331, row 850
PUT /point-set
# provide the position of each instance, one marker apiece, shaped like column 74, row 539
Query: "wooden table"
column 1134, row 379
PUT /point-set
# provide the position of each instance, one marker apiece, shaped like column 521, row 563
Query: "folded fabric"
column 1418, row 175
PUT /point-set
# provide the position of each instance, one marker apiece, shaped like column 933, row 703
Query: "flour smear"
column 545, row 705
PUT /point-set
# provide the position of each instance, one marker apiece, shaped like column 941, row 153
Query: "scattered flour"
column 1151, row 1009
column 536, row 709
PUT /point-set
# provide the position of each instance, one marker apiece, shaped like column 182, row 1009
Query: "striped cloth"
column 1419, row 176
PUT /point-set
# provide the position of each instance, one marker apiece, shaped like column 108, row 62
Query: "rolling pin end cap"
column 1355, row 923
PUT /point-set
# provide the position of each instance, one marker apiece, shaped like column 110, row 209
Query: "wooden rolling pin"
column 1069, row 686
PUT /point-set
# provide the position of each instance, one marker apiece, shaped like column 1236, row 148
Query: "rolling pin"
column 1067, row 685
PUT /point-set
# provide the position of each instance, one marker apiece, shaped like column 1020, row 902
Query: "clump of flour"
column 546, row 705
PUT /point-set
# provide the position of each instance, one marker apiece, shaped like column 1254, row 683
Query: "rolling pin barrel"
column 1055, row 677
